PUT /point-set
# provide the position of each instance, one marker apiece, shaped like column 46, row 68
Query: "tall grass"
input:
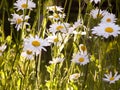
column 20, row 73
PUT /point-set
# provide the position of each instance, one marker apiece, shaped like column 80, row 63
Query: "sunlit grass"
column 42, row 47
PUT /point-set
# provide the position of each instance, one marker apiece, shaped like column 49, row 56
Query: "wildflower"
column 96, row 1
column 83, row 49
column 108, row 18
column 19, row 20
column 81, row 59
column 56, row 16
column 111, row 79
column 28, row 54
column 77, row 24
column 59, row 27
column 35, row 44
column 74, row 76
column 98, row 13
column 24, row 4
column 56, row 60
column 2, row 48
column 55, row 8
column 106, row 30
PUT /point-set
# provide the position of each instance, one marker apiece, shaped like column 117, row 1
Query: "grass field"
column 59, row 45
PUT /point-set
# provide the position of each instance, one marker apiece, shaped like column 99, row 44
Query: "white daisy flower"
column 56, row 39
column 28, row 54
column 74, row 76
column 81, row 59
column 35, row 44
column 55, row 8
column 83, row 49
column 106, row 30
column 59, row 27
column 108, row 18
column 56, row 60
column 2, row 49
column 24, row 4
column 57, row 16
column 96, row 1
column 77, row 24
column 111, row 79
column 19, row 21
column 98, row 13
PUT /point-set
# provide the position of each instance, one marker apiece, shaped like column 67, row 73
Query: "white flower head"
column 83, row 49
column 56, row 39
column 35, row 44
column 74, row 76
column 56, row 60
column 28, row 54
column 81, row 59
column 98, row 13
column 96, row 1
column 108, row 18
column 19, row 21
column 24, row 4
column 111, row 79
column 77, row 24
column 106, row 30
column 56, row 16
column 55, row 8
column 59, row 27
column 2, row 48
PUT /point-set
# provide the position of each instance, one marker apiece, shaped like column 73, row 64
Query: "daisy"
column 111, row 79
column 83, row 49
column 106, row 30
column 2, row 48
column 108, row 18
column 81, row 59
column 19, row 21
column 96, row 1
column 59, row 27
column 74, row 76
column 77, row 24
column 55, row 8
column 35, row 44
column 24, row 4
column 56, row 60
column 57, row 16
column 98, row 13
column 28, row 54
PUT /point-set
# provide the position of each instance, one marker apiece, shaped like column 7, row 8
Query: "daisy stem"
column 68, row 12
column 85, row 78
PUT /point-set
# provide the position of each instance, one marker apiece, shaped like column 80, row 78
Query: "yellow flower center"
column 108, row 20
column 53, row 8
column 81, row 59
column 109, row 30
column 112, row 78
column 83, row 48
column 56, row 15
column 19, row 21
column 56, row 40
column 29, row 52
column 0, row 51
column 24, row 6
column 99, row 15
column 36, row 43
column 77, row 76
column 59, row 27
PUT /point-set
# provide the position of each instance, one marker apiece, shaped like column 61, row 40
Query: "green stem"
column 68, row 12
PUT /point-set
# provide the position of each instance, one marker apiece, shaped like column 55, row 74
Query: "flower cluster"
column 21, row 20
column 107, row 27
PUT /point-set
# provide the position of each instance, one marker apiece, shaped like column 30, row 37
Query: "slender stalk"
column 68, row 12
